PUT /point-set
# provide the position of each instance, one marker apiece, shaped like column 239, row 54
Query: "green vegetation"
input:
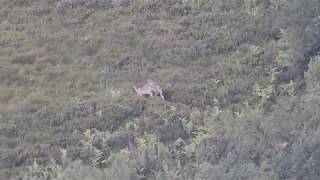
column 241, row 79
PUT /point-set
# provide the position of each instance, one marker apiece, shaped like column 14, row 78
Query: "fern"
column 254, row 8
column 88, row 138
column 265, row 94
column 313, row 74
column 96, row 157
column 52, row 170
column 273, row 72
column 288, row 89
column 282, row 58
column 200, row 137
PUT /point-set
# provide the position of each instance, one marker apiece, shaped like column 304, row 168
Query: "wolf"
column 148, row 88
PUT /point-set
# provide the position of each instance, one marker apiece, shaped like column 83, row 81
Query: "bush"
column 312, row 75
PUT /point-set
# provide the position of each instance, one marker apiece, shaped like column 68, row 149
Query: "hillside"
column 241, row 81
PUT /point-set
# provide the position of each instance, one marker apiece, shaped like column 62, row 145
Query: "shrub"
column 312, row 75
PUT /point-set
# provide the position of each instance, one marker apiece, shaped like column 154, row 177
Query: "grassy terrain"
column 240, row 78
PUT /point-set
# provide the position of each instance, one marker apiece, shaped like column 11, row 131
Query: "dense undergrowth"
column 240, row 77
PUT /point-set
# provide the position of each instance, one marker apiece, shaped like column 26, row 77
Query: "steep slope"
column 238, row 104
